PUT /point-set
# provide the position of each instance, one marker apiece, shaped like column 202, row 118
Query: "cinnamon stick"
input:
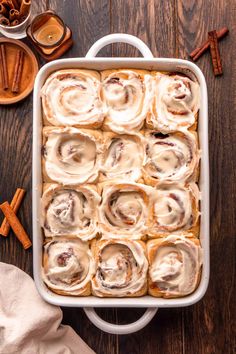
column 10, row 4
column 215, row 53
column 15, row 205
column 18, row 71
column 25, row 7
column 3, row 65
column 16, row 5
column 3, row 10
column 16, row 225
column 196, row 53
column 5, row 3
column 15, row 22
column 4, row 21
column 13, row 15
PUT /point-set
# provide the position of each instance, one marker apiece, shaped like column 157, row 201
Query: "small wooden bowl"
column 30, row 70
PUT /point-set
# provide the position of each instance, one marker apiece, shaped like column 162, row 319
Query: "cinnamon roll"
column 170, row 157
column 123, row 157
column 175, row 266
column 68, row 267
column 70, row 211
column 125, row 210
column 70, row 155
column 127, row 95
column 121, row 268
column 175, row 209
column 71, row 97
column 176, row 103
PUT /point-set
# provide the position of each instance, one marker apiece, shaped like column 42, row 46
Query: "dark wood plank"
column 208, row 326
column 162, row 335
column 89, row 21
column 152, row 21
column 100, row 342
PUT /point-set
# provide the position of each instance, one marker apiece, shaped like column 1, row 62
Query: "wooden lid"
column 30, row 70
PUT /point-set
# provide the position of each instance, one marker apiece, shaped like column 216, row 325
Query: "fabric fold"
column 27, row 323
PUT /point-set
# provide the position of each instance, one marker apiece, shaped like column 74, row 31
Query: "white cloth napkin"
column 29, row 325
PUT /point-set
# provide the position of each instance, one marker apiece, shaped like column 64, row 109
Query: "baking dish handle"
column 120, row 329
column 119, row 38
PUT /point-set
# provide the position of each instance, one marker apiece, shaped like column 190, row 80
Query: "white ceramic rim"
column 149, row 63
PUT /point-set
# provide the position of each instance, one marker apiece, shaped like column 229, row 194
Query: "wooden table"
column 171, row 29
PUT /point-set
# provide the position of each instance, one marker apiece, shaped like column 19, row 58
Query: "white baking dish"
column 149, row 63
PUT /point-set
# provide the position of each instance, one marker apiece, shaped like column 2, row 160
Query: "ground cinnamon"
column 18, row 71
column 3, row 66
column 196, row 53
column 15, row 205
column 215, row 53
column 16, row 225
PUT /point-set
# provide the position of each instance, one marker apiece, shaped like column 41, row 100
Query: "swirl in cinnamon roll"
column 175, row 266
column 68, row 267
column 127, row 95
column 71, row 156
column 175, row 208
column 176, row 103
column 72, row 97
column 123, row 157
column 125, row 210
column 70, row 211
column 170, row 157
column 121, row 268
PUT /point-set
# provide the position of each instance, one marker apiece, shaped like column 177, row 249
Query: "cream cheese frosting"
column 68, row 211
column 127, row 97
column 176, row 265
column 68, row 266
column 124, row 210
column 72, row 156
column 120, row 158
column 171, row 157
column 72, row 97
column 123, row 157
column 175, row 207
column 176, row 102
column 121, row 268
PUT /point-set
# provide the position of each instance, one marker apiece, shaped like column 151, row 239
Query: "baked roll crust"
column 176, row 103
column 121, row 268
column 70, row 211
column 68, row 267
column 170, row 157
column 175, row 266
column 127, row 95
column 123, row 156
column 108, row 180
column 71, row 156
column 125, row 210
column 71, row 97
column 175, row 209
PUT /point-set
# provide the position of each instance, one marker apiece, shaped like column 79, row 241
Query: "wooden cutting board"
column 30, row 70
